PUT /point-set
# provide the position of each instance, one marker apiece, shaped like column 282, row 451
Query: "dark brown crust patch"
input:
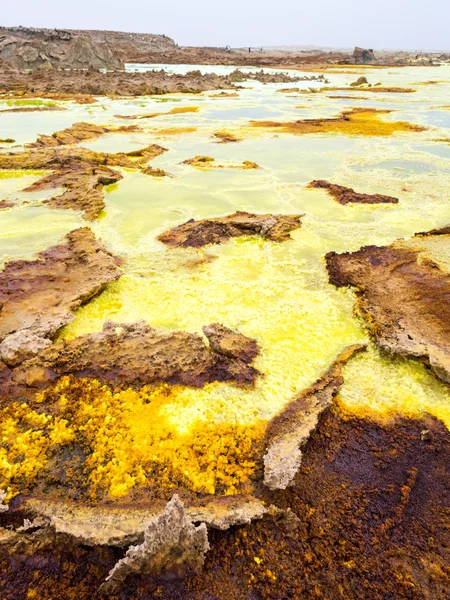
column 218, row 231
column 40, row 295
column 404, row 301
column 81, row 171
column 345, row 195
column 135, row 354
column 374, row 510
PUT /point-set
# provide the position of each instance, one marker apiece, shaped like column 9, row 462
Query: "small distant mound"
column 363, row 56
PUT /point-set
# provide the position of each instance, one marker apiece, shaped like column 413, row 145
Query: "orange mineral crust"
column 357, row 121
column 373, row 508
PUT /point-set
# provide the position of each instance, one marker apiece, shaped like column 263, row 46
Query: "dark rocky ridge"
column 28, row 48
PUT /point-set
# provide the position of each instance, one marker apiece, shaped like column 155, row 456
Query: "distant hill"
column 29, row 48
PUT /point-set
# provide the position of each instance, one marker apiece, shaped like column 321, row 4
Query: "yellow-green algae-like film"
column 210, row 440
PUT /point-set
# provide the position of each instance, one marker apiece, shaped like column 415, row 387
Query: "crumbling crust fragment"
column 219, row 230
column 403, row 297
column 136, row 354
column 38, row 297
column 289, row 431
column 345, row 195
column 171, row 541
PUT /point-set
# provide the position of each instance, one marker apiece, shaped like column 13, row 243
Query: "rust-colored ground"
column 374, row 511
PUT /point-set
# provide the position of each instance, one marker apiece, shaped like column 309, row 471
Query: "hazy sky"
column 410, row 24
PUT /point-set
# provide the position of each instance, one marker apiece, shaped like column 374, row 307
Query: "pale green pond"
column 276, row 293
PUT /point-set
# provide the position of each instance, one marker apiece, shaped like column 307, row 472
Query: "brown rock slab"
column 206, row 162
column 290, row 430
column 155, row 172
column 345, row 195
column 230, row 343
column 27, row 109
column 226, row 137
column 78, row 132
column 6, row 204
column 81, row 171
column 121, row 525
column 220, row 230
column 57, row 158
column 84, row 189
column 20, row 346
column 39, row 295
column 136, row 354
column 403, row 298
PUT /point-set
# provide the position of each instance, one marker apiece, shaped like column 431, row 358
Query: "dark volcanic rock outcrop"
column 28, row 48
column 345, row 195
column 37, row 297
column 363, row 56
column 81, row 171
column 136, row 354
column 219, row 230
column 404, row 298
column 62, row 85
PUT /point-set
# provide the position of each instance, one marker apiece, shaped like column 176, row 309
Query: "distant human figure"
column 249, row 50
column 227, row 49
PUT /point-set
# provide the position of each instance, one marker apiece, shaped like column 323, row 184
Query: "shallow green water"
column 276, row 293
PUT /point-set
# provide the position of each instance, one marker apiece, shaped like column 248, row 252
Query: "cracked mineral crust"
column 219, row 230
column 78, row 132
column 403, row 295
column 38, row 297
column 136, row 354
column 81, row 172
column 123, row 525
